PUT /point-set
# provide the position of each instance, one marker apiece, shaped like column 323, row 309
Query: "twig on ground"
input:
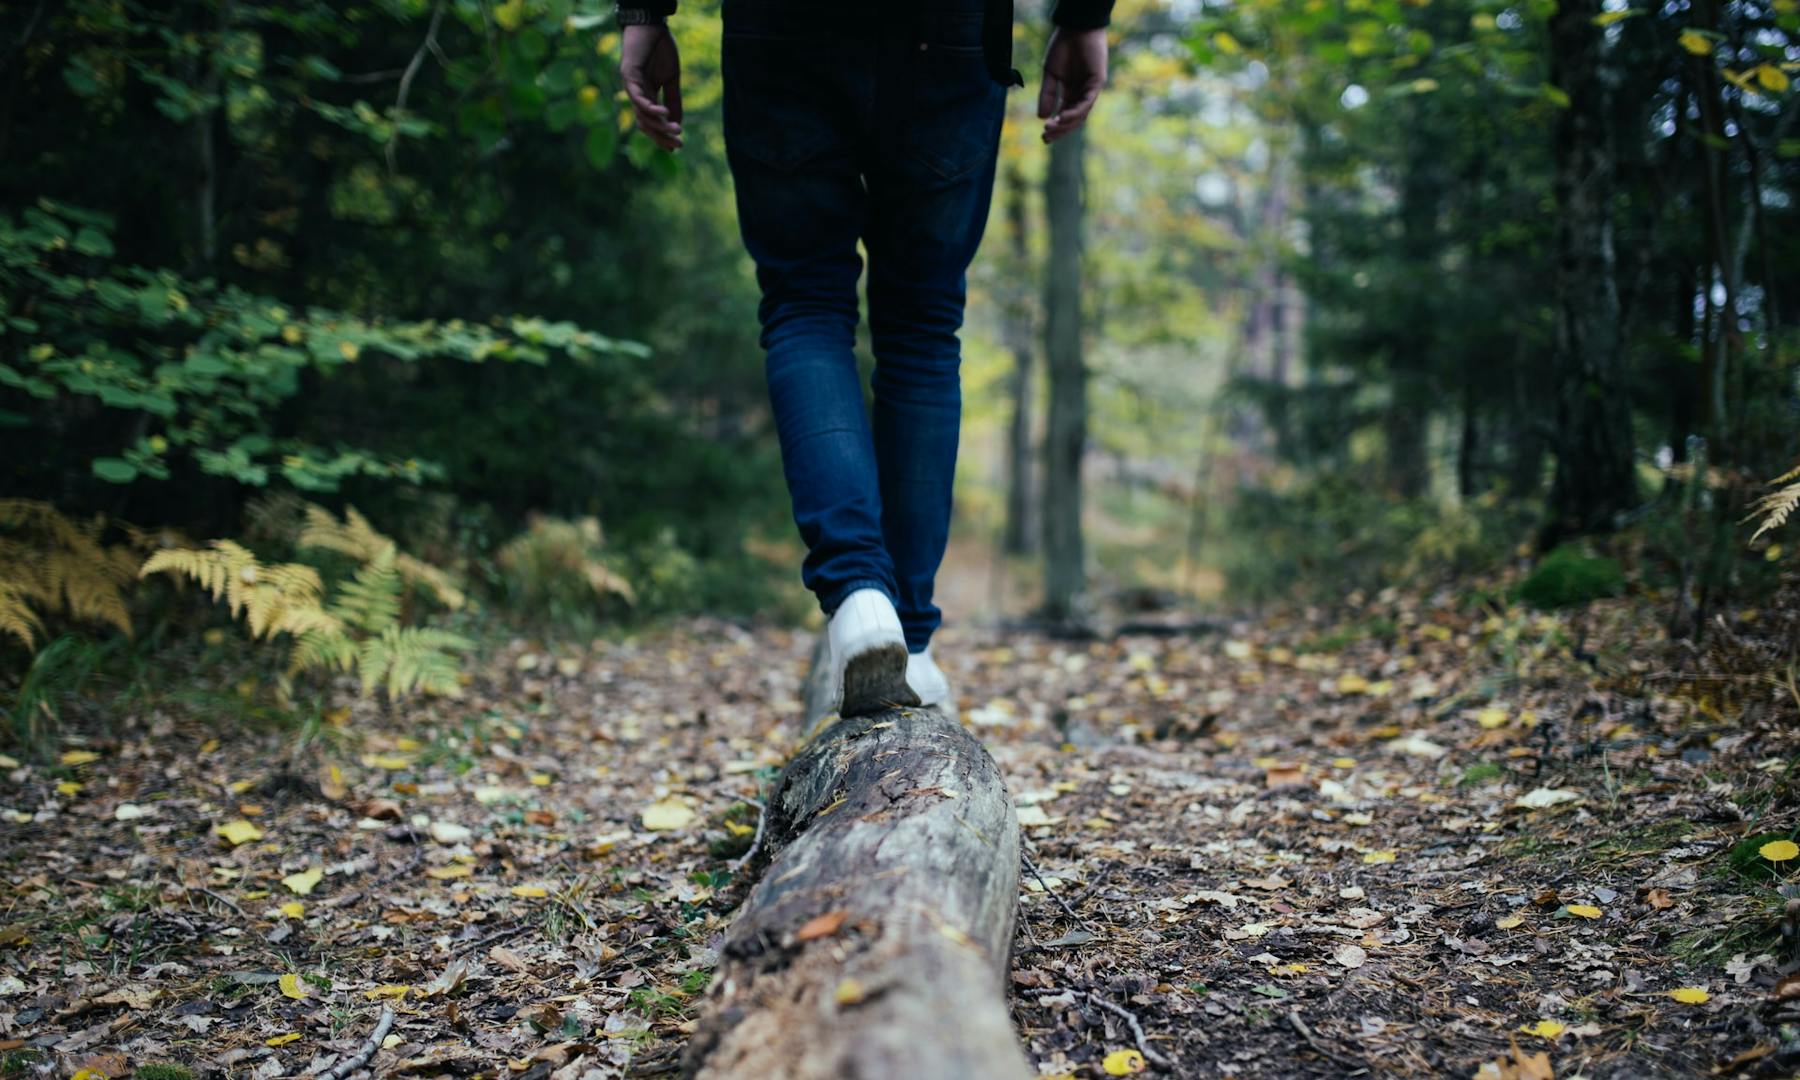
column 1031, row 866
column 1131, row 1021
column 357, row 1060
column 762, row 817
column 489, row 939
column 1312, row 1040
column 226, row 900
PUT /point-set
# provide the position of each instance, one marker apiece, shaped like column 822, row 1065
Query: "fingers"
column 662, row 124
column 1049, row 96
column 1073, row 114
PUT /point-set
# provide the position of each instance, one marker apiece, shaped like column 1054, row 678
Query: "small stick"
column 227, row 901
column 1137, row 1030
column 1031, row 866
column 350, row 1064
column 1312, row 1040
column 762, row 816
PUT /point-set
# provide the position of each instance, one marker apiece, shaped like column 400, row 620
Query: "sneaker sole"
column 875, row 679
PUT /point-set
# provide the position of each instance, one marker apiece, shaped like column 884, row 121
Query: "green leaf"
column 115, row 470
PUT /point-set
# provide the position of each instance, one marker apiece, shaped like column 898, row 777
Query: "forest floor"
column 1410, row 837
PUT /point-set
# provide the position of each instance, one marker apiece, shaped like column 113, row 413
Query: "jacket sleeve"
column 1080, row 14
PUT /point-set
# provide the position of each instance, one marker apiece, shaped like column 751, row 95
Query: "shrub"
column 559, row 569
column 1570, row 577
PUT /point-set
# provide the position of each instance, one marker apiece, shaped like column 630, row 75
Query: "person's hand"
column 1074, row 72
column 651, row 70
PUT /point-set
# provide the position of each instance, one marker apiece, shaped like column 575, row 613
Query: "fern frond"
column 1776, row 507
column 371, row 599
column 16, row 618
column 323, row 649
column 411, row 658
column 357, row 538
column 283, row 598
column 57, row 564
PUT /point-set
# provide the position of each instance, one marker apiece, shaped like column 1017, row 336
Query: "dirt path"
column 1293, row 849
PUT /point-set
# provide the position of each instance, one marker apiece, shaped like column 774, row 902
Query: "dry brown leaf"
column 821, row 925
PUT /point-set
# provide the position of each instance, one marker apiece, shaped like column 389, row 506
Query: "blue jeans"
column 850, row 121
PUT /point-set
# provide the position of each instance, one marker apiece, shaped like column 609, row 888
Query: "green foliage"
column 163, row 1072
column 1745, row 858
column 1570, row 577
column 198, row 371
column 61, row 670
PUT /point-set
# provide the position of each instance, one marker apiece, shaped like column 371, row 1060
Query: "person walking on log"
column 875, row 121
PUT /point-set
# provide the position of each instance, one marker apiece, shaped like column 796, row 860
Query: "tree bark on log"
column 876, row 943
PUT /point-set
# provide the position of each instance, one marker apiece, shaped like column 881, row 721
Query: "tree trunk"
column 1408, row 421
column 1595, row 481
column 877, row 941
column 1065, row 438
column 1017, row 536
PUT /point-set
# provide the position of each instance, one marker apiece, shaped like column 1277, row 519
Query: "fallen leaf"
column 669, row 814
column 849, row 992
column 292, row 987
column 508, row 959
column 78, row 757
column 1542, row 798
column 1691, row 995
column 1508, row 922
column 132, row 812
column 283, row 1040
column 530, row 892
column 450, row 872
column 237, row 832
column 1779, row 851
column 450, row 833
column 1545, row 1029
column 821, row 925
column 1376, row 858
column 1585, row 911
column 303, row 883
column 1350, row 956
column 1659, row 899
column 1123, row 1063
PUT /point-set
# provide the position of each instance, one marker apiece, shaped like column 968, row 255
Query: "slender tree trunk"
column 1065, row 437
column 1017, row 537
column 1595, row 481
column 1716, row 347
column 1408, row 419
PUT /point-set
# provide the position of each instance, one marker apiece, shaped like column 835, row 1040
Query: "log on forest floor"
column 876, row 943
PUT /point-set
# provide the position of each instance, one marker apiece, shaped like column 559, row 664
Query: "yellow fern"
column 1778, row 505
column 355, row 537
column 286, row 598
column 53, row 565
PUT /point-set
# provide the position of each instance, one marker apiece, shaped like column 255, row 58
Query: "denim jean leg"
column 929, row 197
column 791, row 136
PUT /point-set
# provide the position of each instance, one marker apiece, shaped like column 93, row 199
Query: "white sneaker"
column 868, row 654
column 927, row 679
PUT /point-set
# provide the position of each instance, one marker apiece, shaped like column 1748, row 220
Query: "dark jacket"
column 996, row 27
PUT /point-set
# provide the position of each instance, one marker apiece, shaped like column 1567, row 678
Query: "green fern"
column 355, row 537
column 412, row 658
column 370, row 600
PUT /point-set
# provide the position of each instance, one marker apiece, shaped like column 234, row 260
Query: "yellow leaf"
column 1492, row 718
column 255, row 894
column 1349, row 683
column 450, row 872
column 1779, row 850
column 1123, row 1063
column 303, row 883
column 1228, row 45
column 1509, row 922
column 1546, row 1029
column 669, row 814
column 291, row 986
column 1691, row 995
column 392, row 762
column 294, row 909
column 1586, row 911
column 539, row 779
column 8, row 762
column 1607, row 18
column 78, row 757
column 283, row 1040
column 738, row 828
column 68, row 787
column 1772, row 78
column 1696, row 42
column 389, row 990
column 530, row 892
column 237, row 832
column 1376, row 858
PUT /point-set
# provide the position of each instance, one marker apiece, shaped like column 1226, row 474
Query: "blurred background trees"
column 1333, row 294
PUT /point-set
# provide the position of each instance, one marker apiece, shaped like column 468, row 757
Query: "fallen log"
column 876, row 943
